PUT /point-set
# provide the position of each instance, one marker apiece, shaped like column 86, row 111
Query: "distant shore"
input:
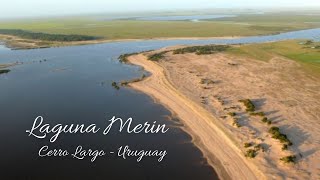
column 16, row 43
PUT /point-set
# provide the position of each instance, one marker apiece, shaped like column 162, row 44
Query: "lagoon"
column 73, row 86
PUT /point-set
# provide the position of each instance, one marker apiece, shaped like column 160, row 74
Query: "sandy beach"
column 280, row 88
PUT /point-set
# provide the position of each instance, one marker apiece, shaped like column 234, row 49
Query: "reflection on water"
column 73, row 85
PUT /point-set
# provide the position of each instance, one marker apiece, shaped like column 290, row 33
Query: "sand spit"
column 204, row 90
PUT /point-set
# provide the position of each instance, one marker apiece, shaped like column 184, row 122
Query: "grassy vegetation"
column 127, row 82
column 274, row 22
column 123, row 58
column 246, row 145
column 206, row 81
column 157, row 56
column 284, row 147
column 257, row 114
column 251, row 153
column 306, row 53
column 266, row 120
column 288, row 159
column 134, row 29
column 232, row 114
column 45, row 36
column 257, row 147
column 273, row 18
column 199, row 50
column 248, row 104
column 276, row 134
column 236, row 122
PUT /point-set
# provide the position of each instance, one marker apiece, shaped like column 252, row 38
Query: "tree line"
column 45, row 36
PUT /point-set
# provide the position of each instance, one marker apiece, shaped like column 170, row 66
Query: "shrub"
column 289, row 159
column 251, row 153
column 282, row 137
column 276, row 134
column 206, row 81
column 236, row 123
column 157, row 56
column 246, row 145
column 232, row 114
column 125, row 83
column 273, row 130
column 257, row 114
column 123, row 58
column 115, row 85
column 199, row 50
column 232, row 64
column 308, row 42
column 284, row 147
column 257, row 147
column 248, row 104
column 264, row 119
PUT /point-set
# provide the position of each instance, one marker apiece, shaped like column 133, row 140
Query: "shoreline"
column 17, row 43
column 199, row 123
column 272, row 85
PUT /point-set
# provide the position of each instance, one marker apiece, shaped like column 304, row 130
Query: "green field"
column 274, row 18
column 244, row 25
column 306, row 54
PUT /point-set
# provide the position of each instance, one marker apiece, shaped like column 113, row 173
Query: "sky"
column 28, row 8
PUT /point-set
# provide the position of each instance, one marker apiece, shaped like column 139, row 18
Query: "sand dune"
column 198, row 120
column 279, row 88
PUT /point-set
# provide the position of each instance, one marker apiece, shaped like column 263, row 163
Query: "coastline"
column 163, row 87
column 202, row 126
column 16, row 43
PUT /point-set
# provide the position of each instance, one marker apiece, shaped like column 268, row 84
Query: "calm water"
column 73, row 86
